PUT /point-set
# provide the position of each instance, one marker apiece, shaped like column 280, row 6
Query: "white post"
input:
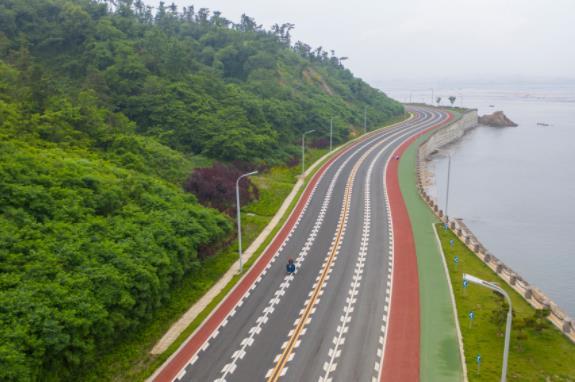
column 499, row 290
column 239, row 215
column 303, row 150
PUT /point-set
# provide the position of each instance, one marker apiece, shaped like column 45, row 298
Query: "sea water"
column 515, row 187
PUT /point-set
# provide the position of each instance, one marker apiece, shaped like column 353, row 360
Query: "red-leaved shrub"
column 216, row 187
column 320, row 143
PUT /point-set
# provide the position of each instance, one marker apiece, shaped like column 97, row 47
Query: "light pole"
column 330, row 134
column 239, row 215
column 447, row 190
column 499, row 290
column 303, row 150
column 365, row 119
column 432, row 98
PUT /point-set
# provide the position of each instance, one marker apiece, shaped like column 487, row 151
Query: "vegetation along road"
column 328, row 321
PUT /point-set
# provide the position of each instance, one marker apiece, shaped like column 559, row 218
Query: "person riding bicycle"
column 290, row 267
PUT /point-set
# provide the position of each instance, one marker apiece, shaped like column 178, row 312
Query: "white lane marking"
column 341, row 228
column 264, row 317
column 378, row 369
column 361, row 146
column 339, row 339
column 399, row 136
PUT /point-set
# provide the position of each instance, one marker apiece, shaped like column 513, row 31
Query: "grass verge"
column 537, row 352
column 439, row 348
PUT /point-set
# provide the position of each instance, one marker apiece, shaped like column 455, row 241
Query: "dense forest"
column 106, row 108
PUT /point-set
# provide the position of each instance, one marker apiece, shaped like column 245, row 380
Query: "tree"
column 438, row 100
column 106, row 109
column 452, row 100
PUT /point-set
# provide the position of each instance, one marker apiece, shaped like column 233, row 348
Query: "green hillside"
column 105, row 110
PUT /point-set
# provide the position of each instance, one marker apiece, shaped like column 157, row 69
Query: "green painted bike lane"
column 439, row 355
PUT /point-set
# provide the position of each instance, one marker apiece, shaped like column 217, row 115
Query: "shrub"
column 216, row 187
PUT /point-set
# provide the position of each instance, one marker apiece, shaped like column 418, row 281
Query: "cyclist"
column 290, row 267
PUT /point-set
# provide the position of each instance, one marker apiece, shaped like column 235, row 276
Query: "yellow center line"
column 307, row 312
column 280, row 364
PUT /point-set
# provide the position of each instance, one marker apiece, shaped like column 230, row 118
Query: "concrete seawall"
column 530, row 293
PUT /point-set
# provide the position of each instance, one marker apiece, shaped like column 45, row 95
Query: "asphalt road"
column 328, row 321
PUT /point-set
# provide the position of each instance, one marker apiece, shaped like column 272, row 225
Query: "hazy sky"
column 426, row 39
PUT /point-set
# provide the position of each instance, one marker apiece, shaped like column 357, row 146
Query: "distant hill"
column 104, row 111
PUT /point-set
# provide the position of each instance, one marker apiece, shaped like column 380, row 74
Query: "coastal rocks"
column 497, row 119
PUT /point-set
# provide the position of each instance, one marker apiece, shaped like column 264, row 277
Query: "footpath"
column 440, row 358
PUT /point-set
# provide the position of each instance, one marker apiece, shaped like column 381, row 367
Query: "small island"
column 497, row 119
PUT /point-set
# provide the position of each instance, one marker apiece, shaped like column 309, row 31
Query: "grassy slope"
column 440, row 359
column 542, row 356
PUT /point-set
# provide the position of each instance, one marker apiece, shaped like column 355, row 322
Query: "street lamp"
column 303, row 150
column 330, row 133
column 498, row 289
column 448, row 182
column 432, row 98
column 239, row 215
column 447, row 190
column 365, row 119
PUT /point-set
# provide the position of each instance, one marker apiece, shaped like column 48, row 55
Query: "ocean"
column 515, row 187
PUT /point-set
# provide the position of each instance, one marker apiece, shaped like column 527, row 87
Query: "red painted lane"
column 401, row 353
column 202, row 334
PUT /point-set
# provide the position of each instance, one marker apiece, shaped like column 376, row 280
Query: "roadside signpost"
column 478, row 362
column 451, row 242
column 471, row 316
column 456, row 261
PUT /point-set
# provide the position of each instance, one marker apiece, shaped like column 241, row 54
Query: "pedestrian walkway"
column 439, row 355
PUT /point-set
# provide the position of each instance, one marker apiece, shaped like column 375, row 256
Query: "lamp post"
column 365, row 119
column 330, row 134
column 432, row 96
column 499, row 290
column 303, row 150
column 447, row 190
column 239, row 215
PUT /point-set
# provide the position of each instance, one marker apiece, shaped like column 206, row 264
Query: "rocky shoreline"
column 497, row 119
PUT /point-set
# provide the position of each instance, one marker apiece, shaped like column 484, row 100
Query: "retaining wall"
column 530, row 293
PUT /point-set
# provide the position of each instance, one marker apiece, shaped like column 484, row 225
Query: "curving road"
column 329, row 321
